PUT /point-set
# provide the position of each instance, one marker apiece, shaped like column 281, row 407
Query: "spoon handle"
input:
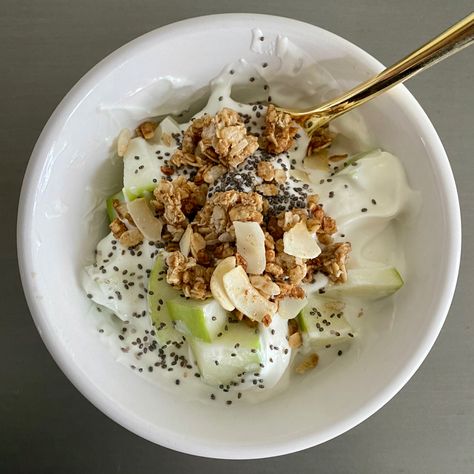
column 449, row 42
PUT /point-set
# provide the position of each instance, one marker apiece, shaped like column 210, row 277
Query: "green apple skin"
column 141, row 169
column 110, row 206
column 368, row 283
column 200, row 319
column 160, row 291
column 323, row 322
column 174, row 313
column 236, row 351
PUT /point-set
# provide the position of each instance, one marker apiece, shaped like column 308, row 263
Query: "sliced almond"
column 289, row 308
column 217, row 283
column 122, row 141
column 185, row 242
column 299, row 242
column 251, row 245
column 245, row 297
column 146, row 222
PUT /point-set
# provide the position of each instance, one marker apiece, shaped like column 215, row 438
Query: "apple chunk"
column 323, row 322
column 369, row 283
column 158, row 292
column 235, row 352
column 201, row 319
column 173, row 314
column 245, row 297
column 251, row 245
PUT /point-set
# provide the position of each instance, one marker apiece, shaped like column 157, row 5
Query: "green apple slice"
column 160, row 291
column 200, row 319
column 368, row 283
column 141, row 169
column 110, row 204
column 322, row 322
column 235, row 352
column 171, row 311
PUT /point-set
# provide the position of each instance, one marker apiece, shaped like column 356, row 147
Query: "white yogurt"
column 367, row 200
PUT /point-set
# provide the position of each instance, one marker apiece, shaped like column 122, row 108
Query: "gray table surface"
column 45, row 423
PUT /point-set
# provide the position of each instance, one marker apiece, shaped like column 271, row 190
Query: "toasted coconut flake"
column 245, row 297
column 185, row 242
column 251, row 245
column 217, row 283
column 299, row 242
column 144, row 219
column 198, row 243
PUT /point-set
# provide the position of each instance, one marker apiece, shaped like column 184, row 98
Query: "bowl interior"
column 58, row 228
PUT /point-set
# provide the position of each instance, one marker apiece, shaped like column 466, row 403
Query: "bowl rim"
column 105, row 403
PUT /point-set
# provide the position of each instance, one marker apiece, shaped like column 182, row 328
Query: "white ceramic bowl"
column 71, row 157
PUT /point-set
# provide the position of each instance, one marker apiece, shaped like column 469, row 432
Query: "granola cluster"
column 332, row 262
column 192, row 278
column 214, row 144
column 176, row 202
column 280, row 130
column 198, row 228
column 123, row 227
column 213, row 239
column 321, row 139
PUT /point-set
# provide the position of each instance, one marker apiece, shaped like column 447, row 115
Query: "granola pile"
column 198, row 209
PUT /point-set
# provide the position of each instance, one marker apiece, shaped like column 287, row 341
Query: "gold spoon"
column 449, row 42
